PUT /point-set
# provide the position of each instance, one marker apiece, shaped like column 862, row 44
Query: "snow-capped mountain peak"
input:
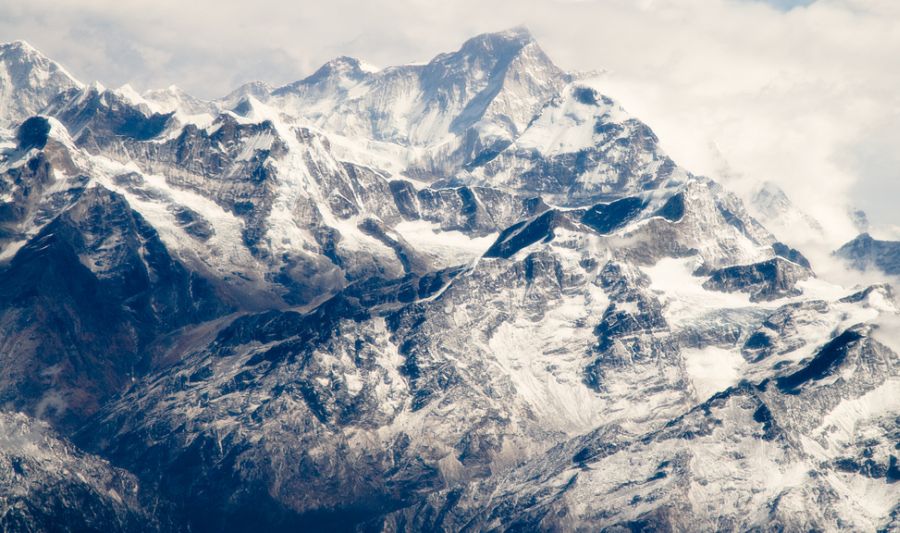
column 28, row 81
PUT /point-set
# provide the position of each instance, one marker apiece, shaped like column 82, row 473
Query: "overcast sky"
column 804, row 93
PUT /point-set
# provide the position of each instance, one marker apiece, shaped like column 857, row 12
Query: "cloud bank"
column 803, row 93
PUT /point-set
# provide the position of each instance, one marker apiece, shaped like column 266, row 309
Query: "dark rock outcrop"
column 865, row 252
column 768, row 280
column 81, row 302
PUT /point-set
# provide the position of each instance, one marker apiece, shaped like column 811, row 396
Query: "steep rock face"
column 791, row 254
column 602, row 153
column 782, row 469
column 234, row 164
column 95, row 116
column 464, row 104
column 783, row 330
column 628, row 330
column 768, row 280
column 865, row 252
column 82, row 300
column 607, row 218
column 269, row 465
column 38, row 179
column 231, row 165
column 28, row 82
column 46, row 484
column 477, row 211
column 697, row 218
column 526, row 233
column 22, row 187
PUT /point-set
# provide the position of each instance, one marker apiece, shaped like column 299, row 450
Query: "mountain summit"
column 441, row 114
column 28, row 80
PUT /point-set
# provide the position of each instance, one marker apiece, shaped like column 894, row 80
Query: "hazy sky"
column 804, row 93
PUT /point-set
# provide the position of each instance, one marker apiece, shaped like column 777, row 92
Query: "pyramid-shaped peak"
column 490, row 51
column 500, row 44
column 342, row 62
column 339, row 67
column 863, row 238
column 16, row 45
column 341, row 71
column 518, row 35
column 20, row 57
column 32, row 81
column 23, row 54
column 258, row 89
column 19, row 47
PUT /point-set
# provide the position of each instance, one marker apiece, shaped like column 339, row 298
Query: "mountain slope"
column 581, row 146
column 82, row 301
column 46, row 484
column 434, row 382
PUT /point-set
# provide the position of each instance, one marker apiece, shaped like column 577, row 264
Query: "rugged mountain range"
column 469, row 294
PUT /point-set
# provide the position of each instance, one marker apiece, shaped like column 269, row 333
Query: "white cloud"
column 806, row 94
